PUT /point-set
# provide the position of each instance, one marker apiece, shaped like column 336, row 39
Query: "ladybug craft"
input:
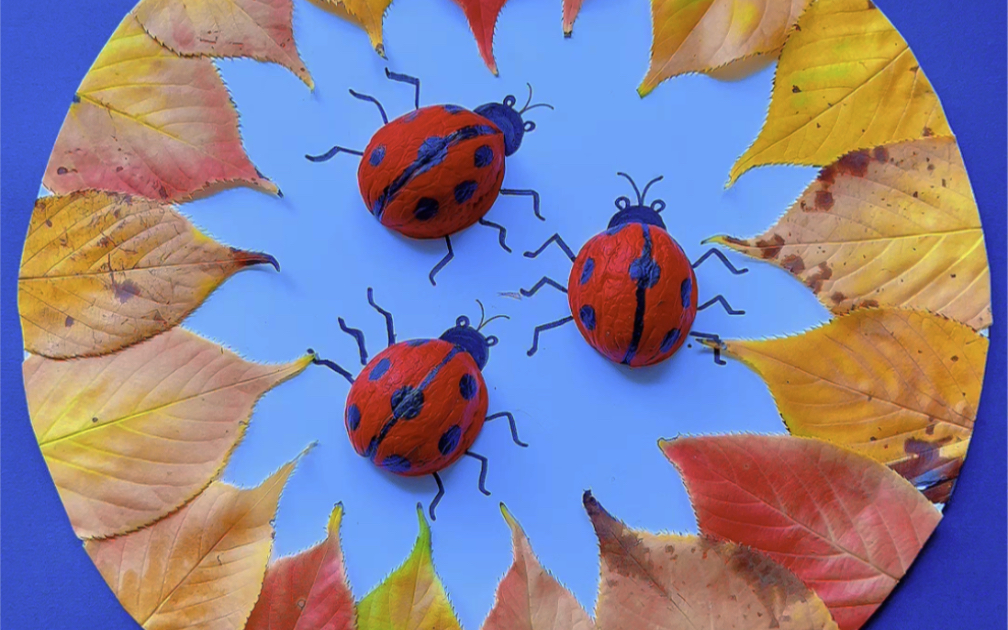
column 439, row 169
column 419, row 405
column 632, row 290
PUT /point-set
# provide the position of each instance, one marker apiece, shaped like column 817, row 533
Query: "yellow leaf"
column 528, row 597
column 895, row 226
column 899, row 386
column 148, row 122
column 412, row 597
column 703, row 35
column 846, row 80
column 131, row 436
column 200, row 568
column 669, row 582
column 102, row 271
column 259, row 29
column 367, row 14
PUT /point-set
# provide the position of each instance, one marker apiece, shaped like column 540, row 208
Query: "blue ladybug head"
column 509, row 120
column 640, row 213
column 471, row 339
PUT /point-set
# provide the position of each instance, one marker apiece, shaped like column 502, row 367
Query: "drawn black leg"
column 371, row 99
column 483, row 471
column 525, row 193
column 499, row 228
column 402, row 78
column 716, row 345
column 444, row 261
column 331, row 153
column 389, row 326
column 544, row 282
column 511, row 421
column 713, row 251
column 331, row 365
column 437, row 497
column 719, row 299
column 559, row 243
column 545, row 327
column 358, row 336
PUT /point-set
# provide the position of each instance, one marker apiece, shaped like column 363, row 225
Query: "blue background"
column 574, row 408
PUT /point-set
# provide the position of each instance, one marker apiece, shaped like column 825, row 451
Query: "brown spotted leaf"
column 893, row 226
column 899, row 386
column 148, row 122
column 669, row 582
column 308, row 591
column 200, row 568
column 846, row 525
column 529, row 598
column 259, row 29
column 131, row 436
column 102, row 271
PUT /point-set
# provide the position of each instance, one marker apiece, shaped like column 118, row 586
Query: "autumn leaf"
column 893, row 226
column 529, row 598
column 846, row 80
column 669, row 582
column 846, row 525
column 367, row 14
column 702, row 35
column 102, row 271
column 148, row 122
column 571, row 8
column 412, row 597
column 482, row 16
column 308, row 591
column 131, row 436
column 200, row 568
column 899, row 386
column 258, row 29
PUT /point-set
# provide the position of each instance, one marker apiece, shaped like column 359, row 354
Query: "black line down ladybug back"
column 419, row 405
column 439, row 169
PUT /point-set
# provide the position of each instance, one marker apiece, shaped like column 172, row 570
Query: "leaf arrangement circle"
column 807, row 531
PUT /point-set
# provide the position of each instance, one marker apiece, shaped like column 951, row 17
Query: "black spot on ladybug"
column 645, row 272
column 484, row 156
column 396, row 464
column 450, row 439
column 587, row 315
column 467, row 386
column 453, row 109
column 426, row 209
column 407, row 403
column 380, row 369
column 670, row 339
column 465, row 191
column 687, row 292
column 377, row 155
column 587, row 270
column 353, row 417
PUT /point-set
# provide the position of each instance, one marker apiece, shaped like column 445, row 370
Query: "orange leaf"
column 845, row 524
column 529, row 598
column 148, row 122
column 367, row 14
column 571, row 8
column 482, row 16
column 259, row 29
column 668, row 582
column 103, row 271
column 131, row 436
column 200, row 568
column 308, row 591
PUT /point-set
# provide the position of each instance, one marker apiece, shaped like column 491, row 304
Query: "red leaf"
column 570, row 13
column 308, row 591
column 482, row 16
column 848, row 526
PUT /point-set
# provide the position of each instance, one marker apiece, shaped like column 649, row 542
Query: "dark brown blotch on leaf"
column 125, row 290
column 793, row 263
column 823, row 200
column 822, row 273
column 770, row 248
